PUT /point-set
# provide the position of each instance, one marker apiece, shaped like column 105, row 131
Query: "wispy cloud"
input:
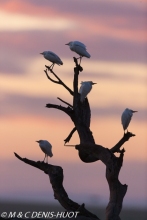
column 19, row 22
column 115, row 19
column 23, row 105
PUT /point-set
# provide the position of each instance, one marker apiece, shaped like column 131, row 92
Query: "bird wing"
column 46, row 147
column 79, row 44
column 84, row 90
column 80, row 49
column 54, row 58
column 81, row 88
column 49, row 152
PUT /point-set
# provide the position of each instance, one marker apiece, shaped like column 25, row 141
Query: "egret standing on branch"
column 46, row 147
column 126, row 118
column 85, row 89
column 52, row 57
column 79, row 48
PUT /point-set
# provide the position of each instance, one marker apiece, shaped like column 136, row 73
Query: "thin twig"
column 70, row 145
column 66, row 110
column 65, row 102
column 60, row 81
column 54, row 81
column 70, row 135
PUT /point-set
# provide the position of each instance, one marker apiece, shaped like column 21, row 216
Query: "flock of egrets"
column 85, row 88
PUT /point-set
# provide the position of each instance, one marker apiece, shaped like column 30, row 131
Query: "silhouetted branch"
column 54, row 81
column 125, row 138
column 77, row 65
column 117, row 190
column 65, row 102
column 75, row 86
column 56, row 177
column 70, row 135
column 67, row 110
column 59, row 80
column 113, row 166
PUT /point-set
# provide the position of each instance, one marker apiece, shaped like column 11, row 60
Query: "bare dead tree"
column 88, row 152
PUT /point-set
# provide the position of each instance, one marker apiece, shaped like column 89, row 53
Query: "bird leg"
column 126, row 132
column 80, row 60
column 44, row 158
column 51, row 67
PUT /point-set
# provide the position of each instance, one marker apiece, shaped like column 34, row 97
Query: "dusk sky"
column 115, row 34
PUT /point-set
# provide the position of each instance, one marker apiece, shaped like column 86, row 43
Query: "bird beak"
column 135, row 111
column 41, row 53
column 67, row 44
column 37, row 141
column 94, row 83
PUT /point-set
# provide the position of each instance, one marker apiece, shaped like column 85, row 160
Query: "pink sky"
column 116, row 37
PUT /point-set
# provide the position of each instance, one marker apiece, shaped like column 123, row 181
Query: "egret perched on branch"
column 52, row 57
column 126, row 118
column 85, row 89
column 79, row 48
column 46, row 147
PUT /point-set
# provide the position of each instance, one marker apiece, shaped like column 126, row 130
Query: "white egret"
column 126, row 118
column 52, row 57
column 46, row 147
column 79, row 48
column 85, row 89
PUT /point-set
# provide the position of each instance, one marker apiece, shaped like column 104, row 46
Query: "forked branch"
column 59, row 80
column 67, row 110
